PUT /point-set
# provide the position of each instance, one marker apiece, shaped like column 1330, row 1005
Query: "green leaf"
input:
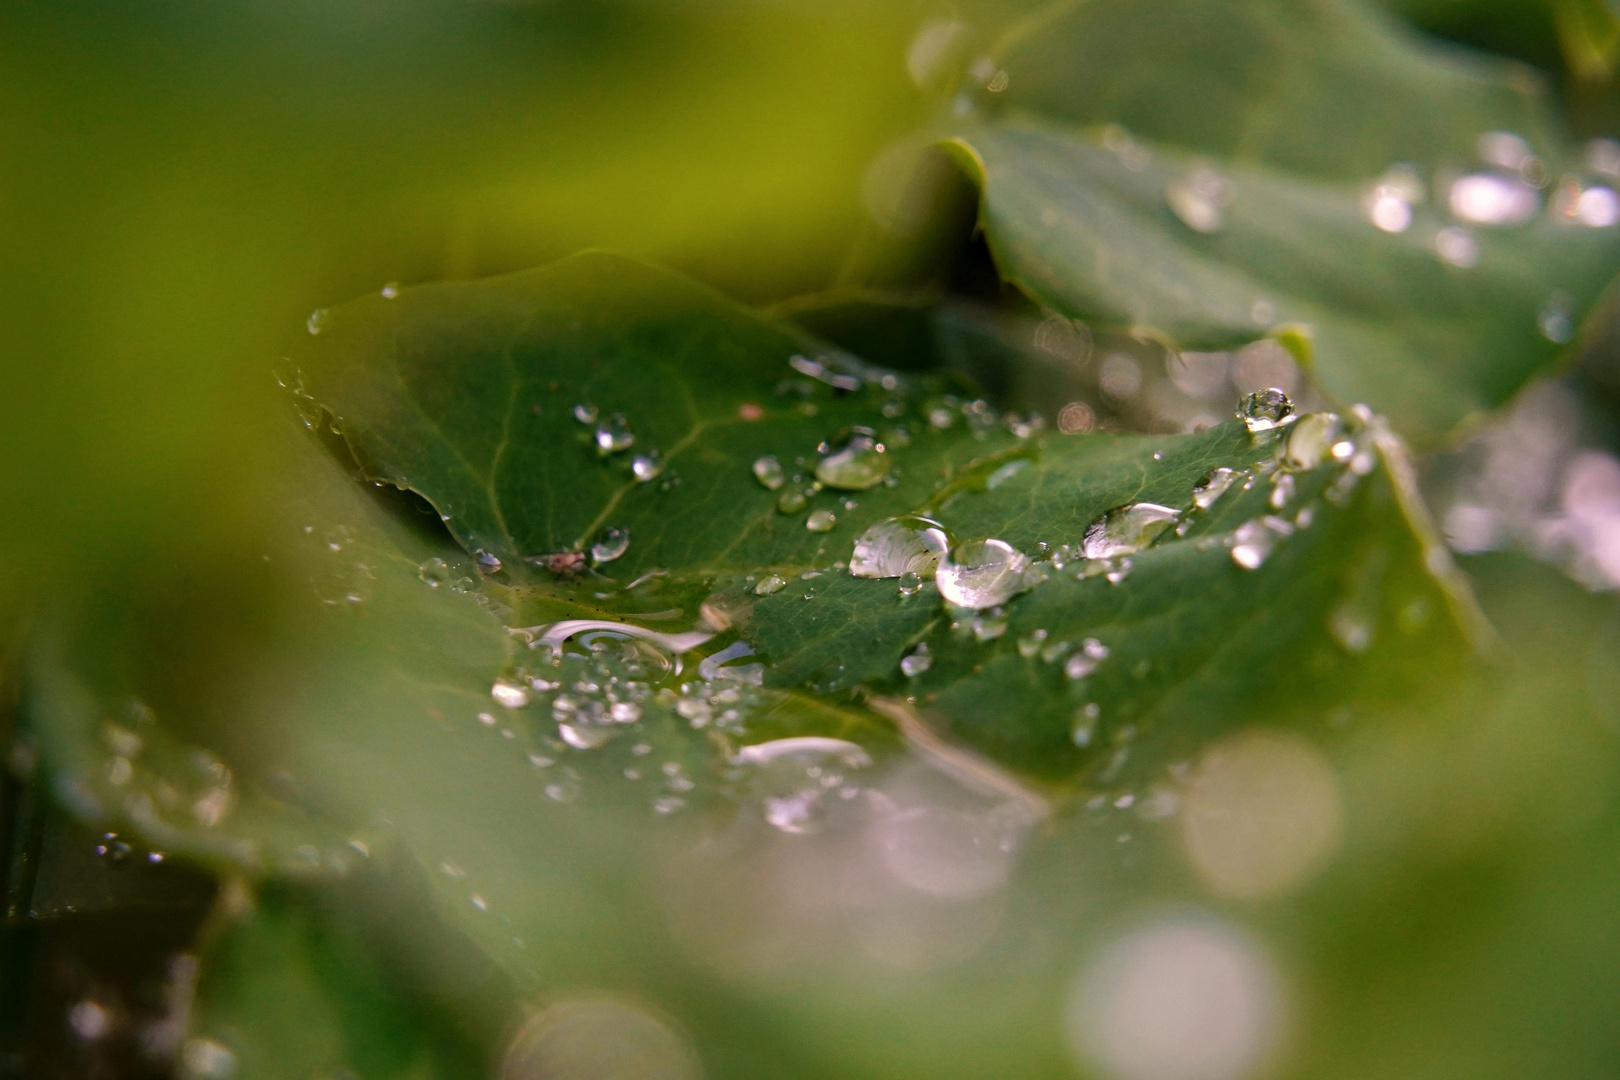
column 1269, row 133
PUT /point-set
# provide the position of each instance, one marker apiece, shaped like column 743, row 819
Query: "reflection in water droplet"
column 1126, row 530
column 898, row 546
column 613, row 435
column 982, row 573
column 917, row 661
column 770, row 583
column 821, row 520
column 768, row 471
column 614, row 543
column 861, row 463
column 1266, row 409
column 598, row 1039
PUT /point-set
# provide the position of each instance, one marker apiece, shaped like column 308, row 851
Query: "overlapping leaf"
column 1293, row 111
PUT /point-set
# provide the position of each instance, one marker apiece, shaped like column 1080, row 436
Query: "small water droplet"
column 316, row 321
column 584, row 736
column 821, row 520
column 1315, row 438
column 585, row 412
column 1457, row 247
column 390, row 290
column 982, row 573
column 1251, row 544
column 1266, row 409
column 1212, row 487
column 647, row 466
column 613, row 435
column 207, row 1059
column 1352, row 628
column 509, row 694
column 771, row 583
column 614, row 543
column 1085, row 724
column 1030, row 643
column 989, row 627
column 793, row 500
column 910, row 584
column 488, row 562
column 900, row 545
column 917, row 661
column 1199, row 199
column 860, row 462
column 1555, row 320
column 435, row 572
column 1126, row 530
column 1282, row 490
column 769, row 472
column 1493, row 199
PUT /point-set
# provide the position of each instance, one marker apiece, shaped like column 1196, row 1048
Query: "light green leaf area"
column 1234, row 216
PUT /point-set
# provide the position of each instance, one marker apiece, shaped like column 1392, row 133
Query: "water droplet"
column 1198, row 199
column 1315, row 438
column 1282, row 490
column 1212, row 487
column 1352, row 628
column 859, row 463
column 821, row 520
column 793, row 500
column 769, row 471
column 510, row 695
column 1457, row 247
column 910, row 584
column 900, row 545
column 584, row 736
column 1030, row 643
column 771, row 583
column 316, row 321
column 613, row 435
column 207, row 1059
column 1493, row 199
column 1126, row 530
column 614, row 543
column 917, row 661
column 647, row 466
column 1251, row 544
column 585, row 412
column 390, row 290
column 989, row 627
column 1554, row 319
column 982, row 573
column 1266, row 409
column 1085, row 724
column 435, row 572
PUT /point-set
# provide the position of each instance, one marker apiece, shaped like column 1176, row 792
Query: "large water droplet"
column 982, row 573
column 821, row 520
column 1212, row 487
column 613, row 435
column 769, row 471
column 898, row 546
column 614, row 543
column 1266, row 409
column 1126, row 530
column 917, row 661
column 860, row 463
